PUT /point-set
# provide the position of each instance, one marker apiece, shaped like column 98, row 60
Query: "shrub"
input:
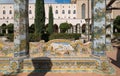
column 10, row 28
column 1, row 34
column 50, row 25
column 10, row 37
column 64, row 36
column 116, row 24
column 32, row 28
column 34, row 37
column 3, row 27
column 64, row 27
column 117, row 35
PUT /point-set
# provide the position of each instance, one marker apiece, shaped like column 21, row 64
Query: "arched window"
column 83, row 11
column 63, row 11
column 4, row 12
column 30, row 11
column 74, row 11
column 3, row 17
column 69, row 11
column 56, row 11
column 83, row 28
column 10, row 12
column 55, row 26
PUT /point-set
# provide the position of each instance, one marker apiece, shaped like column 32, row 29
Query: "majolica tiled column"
column 21, row 24
column 98, row 30
column 109, row 29
column 112, row 20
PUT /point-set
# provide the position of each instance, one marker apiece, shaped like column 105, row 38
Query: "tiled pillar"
column 112, row 20
column 21, row 24
column 98, row 32
column 21, row 45
column 109, row 29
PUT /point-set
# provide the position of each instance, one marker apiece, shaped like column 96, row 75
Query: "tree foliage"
column 3, row 27
column 50, row 25
column 10, row 28
column 39, row 16
column 116, row 24
column 64, row 27
column 32, row 28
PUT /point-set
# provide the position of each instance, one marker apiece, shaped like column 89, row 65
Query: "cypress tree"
column 39, row 17
column 50, row 25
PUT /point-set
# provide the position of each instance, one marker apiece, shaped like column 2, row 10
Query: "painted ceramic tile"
column 20, row 22
column 6, row 49
column 99, row 27
column 60, row 48
column 109, row 31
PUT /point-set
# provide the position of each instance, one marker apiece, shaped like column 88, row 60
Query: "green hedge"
column 1, row 34
column 10, row 37
column 34, row 37
column 64, row 36
column 117, row 35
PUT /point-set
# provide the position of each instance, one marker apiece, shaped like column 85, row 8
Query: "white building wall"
column 7, row 17
column 58, row 18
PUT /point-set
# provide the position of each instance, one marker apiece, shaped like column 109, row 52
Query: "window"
column 56, row 11
column 11, row 17
column 83, row 11
column 74, row 11
column 63, row 11
column 69, row 11
column 74, row 17
column 30, row 12
column 3, row 17
column 10, row 12
column 4, row 12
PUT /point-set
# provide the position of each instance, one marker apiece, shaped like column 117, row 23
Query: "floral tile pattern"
column 20, row 25
column 99, row 27
column 109, row 30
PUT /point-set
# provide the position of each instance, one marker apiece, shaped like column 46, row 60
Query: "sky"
column 31, row 1
column 63, row 1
